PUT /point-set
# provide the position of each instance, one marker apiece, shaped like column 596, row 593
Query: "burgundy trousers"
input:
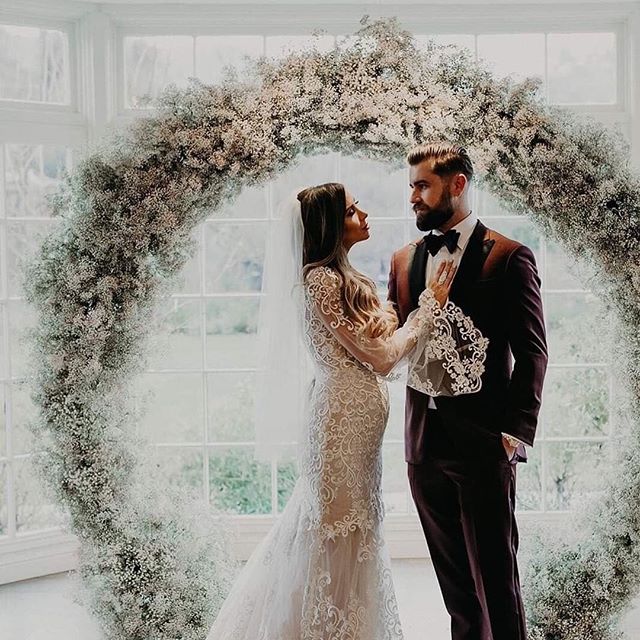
column 466, row 501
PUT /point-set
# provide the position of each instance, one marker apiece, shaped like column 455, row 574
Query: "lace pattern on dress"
column 343, row 469
column 323, row 572
column 450, row 361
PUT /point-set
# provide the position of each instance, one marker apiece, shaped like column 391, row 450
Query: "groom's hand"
column 508, row 447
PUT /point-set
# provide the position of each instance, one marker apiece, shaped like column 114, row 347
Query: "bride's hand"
column 440, row 284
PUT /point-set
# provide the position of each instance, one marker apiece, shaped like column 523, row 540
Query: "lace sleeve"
column 449, row 361
column 379, row 355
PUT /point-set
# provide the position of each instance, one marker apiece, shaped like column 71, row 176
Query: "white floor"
column 43, row 608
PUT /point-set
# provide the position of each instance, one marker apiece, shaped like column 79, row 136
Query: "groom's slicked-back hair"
column 447, row 158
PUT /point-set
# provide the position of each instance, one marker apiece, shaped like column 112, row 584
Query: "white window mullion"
column 544, row 425
column 271, row 217
column 613, row 403
column 6, row 349
column 274, row 486
column 94, row 61
column 632, row 77
column 546, row 68
column 205, row 374
column 193, row 56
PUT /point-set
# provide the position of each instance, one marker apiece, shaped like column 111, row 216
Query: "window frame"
column 39, row 108
column 99, row 31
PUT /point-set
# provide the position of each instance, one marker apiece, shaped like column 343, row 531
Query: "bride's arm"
column 377, row 354
column 449, row 361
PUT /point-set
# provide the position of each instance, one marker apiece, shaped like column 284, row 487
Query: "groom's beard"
column 429, row 218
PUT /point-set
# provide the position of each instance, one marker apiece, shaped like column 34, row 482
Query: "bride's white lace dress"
column 323, row 573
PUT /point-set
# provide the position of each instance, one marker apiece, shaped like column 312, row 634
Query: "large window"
column 200, row 385
column 575, row 420
column 34, row 65
column 578, row 69
column 34, row 75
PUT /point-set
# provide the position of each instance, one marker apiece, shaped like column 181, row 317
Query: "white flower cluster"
column 127, row 215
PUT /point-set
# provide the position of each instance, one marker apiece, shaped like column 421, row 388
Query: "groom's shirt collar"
column 464, row 228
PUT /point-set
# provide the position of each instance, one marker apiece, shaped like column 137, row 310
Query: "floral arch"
column 154, row 567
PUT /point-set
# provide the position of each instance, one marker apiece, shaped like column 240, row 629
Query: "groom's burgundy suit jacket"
column 498, row 287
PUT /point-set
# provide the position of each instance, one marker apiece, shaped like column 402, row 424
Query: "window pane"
column 179, row 346
column 182, row 467
column 3, row 420
column 462, row 41
column 151, row 63
column 3, row 293
column 4, row 515
column 34, row 64
column 21, row 319
column 576, row 402
column 35, row 508
column 373, row 257
column 4, row 356
column 561, row 270
column 214, row 53
column 394, row 478
column 576, row 471
column 231, row 332
column 238, row 482
column 251, row 203
column 230, row 406
column 23, row 412
column 490, row 206
column 280, row 46
column 395, row 425
column 234, row 256
column 576, row 328
column 306, row 172
column 31, row 173
column 380, row 190
column 529, row 483
column 582, row 68
column 519, row 55
column 190, row 278
column 23, row 241
column 287, row 477
column 174, row 410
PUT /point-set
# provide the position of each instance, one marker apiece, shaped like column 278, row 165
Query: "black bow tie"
column 435, row 242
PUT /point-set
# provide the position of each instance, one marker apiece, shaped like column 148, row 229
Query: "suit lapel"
column 417, row 273
column 470, row 266
column 472, row 261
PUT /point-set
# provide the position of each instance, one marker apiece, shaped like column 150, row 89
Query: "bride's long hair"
column 323, row 211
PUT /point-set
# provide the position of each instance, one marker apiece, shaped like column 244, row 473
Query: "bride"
column 323, row 573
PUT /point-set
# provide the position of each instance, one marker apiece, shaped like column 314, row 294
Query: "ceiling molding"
column 340, row 16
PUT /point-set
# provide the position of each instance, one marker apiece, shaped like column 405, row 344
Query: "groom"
column 462, row 451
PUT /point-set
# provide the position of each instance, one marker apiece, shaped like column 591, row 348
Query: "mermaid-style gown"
column 323, row 573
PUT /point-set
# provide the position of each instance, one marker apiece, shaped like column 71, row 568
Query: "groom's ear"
column 458, row 183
